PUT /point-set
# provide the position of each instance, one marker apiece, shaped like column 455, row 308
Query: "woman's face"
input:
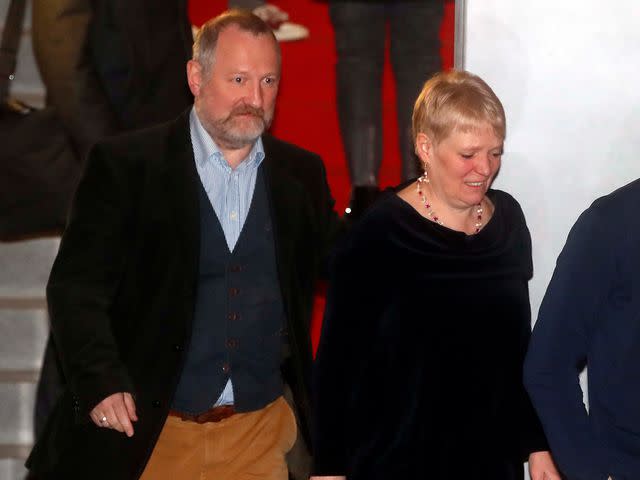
column 461, row 167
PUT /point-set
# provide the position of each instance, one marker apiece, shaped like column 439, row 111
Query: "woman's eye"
column 237, row 79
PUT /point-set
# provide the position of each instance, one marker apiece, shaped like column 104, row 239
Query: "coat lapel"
column 185, row 198
column 286, row 200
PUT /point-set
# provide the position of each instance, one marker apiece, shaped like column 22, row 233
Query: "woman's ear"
column 424, row 147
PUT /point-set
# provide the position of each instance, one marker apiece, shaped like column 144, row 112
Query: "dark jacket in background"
column 591, row 315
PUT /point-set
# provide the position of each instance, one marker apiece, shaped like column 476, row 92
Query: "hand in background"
column 542, row 467
column 117, row 411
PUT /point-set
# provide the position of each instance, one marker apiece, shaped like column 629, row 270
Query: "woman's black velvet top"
column 419, row 369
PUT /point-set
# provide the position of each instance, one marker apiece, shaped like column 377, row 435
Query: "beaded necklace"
column 430, row 212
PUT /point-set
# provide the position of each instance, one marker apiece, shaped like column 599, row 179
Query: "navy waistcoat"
column 239, row 323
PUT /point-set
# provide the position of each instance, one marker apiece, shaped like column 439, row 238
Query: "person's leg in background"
column 415, row 56
column 360, row 38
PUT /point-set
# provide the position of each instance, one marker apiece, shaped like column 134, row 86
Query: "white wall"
column 568, row 75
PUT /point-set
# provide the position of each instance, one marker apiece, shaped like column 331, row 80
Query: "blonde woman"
column 419, row 370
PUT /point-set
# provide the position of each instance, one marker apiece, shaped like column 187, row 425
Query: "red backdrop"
column 306, row 112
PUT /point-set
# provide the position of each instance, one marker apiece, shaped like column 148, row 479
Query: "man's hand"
column 117, row 411
column 542, row 467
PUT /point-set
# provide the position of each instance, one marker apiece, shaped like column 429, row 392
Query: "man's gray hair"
column 204, row 46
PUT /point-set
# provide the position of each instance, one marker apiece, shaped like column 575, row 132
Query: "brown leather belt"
column 214, row 414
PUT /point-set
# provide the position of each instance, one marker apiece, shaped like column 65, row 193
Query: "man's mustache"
column 247, row 110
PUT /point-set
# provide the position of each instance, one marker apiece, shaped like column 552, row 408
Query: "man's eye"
column 237, row 79
column 269, row 80
column 466, row 155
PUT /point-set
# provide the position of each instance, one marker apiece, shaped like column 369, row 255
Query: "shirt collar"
column 206, row 149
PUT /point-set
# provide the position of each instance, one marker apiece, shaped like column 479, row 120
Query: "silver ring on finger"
column 103, row 420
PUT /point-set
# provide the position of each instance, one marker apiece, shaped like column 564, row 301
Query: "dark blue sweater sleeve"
column 560, row 344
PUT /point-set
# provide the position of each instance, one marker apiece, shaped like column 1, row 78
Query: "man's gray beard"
column 224, row 133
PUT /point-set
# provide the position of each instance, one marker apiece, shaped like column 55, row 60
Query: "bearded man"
column 181, row 296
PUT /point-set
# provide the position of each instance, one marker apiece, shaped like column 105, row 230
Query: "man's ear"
column 194, row 77
column 424, row 147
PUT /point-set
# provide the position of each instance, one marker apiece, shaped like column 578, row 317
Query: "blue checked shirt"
column 229, row 191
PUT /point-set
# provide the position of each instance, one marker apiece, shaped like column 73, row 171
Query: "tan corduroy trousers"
column 242, row 447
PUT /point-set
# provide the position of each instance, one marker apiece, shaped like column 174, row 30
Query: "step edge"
column 19, row 376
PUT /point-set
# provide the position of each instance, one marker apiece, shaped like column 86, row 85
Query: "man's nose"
column 255, row 95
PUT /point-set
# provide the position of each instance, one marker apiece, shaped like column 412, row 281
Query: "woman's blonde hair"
column 456, row 100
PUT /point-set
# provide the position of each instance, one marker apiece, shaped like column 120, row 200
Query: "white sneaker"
column 289, row 32
column 277, row 19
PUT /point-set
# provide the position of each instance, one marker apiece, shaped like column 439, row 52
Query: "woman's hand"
column 542, row 467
